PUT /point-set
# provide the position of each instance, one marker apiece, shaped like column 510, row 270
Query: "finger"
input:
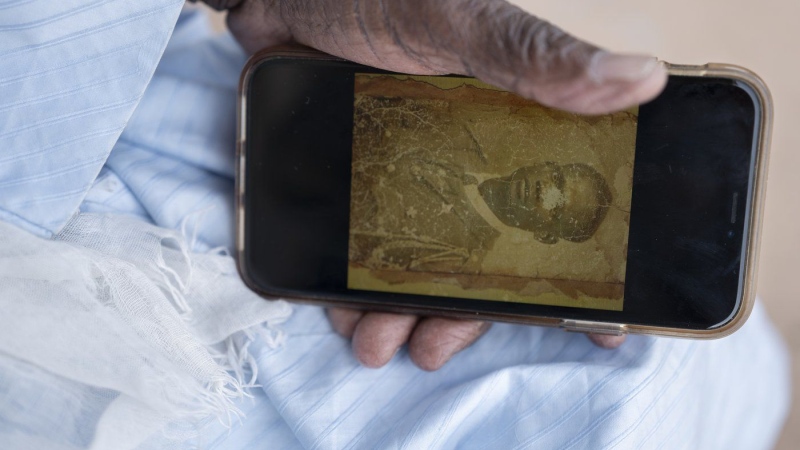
column 606, row 340
column 492, row 40
column 436, row 340
column 505, row 46
column 378, row 336
column 257, row 24
column 344, row 320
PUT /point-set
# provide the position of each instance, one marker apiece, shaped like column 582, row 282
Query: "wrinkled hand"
column 432, row 341
column 491, row 40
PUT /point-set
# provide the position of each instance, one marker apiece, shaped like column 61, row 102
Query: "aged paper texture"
column 462, row 190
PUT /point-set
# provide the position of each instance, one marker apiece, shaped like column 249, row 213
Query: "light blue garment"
column 175, row 158
column 522, row 387
column 70, row 77
column 71, row 74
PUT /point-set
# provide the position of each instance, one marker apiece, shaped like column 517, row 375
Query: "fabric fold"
column 72, row 74
column 120, row 305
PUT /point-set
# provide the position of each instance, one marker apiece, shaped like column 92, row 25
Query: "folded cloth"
column 518, row 387
column 118, row 328
column 114, row 329
column 525, row 387
column 71, row 76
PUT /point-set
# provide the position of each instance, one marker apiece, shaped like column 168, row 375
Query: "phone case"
column 713, row 70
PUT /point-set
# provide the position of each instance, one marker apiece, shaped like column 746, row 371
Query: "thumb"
column 503, row 45
column 490, row 39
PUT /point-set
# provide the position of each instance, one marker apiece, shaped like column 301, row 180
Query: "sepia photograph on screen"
column 462, row 190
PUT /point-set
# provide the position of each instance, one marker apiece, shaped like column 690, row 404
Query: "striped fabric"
column 71, row 75
column 517, row 388
column 175, row 157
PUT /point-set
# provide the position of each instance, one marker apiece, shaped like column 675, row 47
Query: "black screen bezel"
column 296, row 233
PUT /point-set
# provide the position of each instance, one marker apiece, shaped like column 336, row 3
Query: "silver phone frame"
column 753, row 236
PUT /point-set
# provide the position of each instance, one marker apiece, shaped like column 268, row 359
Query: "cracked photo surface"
column 463, row 190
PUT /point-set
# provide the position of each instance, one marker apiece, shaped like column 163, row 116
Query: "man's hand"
column 432, row 341
column 491, row 40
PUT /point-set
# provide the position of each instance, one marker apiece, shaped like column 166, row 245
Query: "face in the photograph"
column 552, row 201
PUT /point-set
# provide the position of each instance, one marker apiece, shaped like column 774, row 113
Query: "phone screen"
column 459, row 189
column 444, row 193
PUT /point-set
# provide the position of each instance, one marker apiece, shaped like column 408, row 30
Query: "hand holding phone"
column 491, row 40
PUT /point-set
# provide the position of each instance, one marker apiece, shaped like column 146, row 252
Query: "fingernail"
column 616, row 67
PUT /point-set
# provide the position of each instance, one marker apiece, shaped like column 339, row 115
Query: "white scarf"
column 122, row 318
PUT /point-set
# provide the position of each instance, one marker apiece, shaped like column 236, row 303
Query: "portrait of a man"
column 453, row 196
column 552, row 201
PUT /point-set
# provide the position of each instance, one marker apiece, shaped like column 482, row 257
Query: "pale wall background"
column 761, row 35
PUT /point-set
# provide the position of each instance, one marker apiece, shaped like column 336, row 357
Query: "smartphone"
column 362, row 188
